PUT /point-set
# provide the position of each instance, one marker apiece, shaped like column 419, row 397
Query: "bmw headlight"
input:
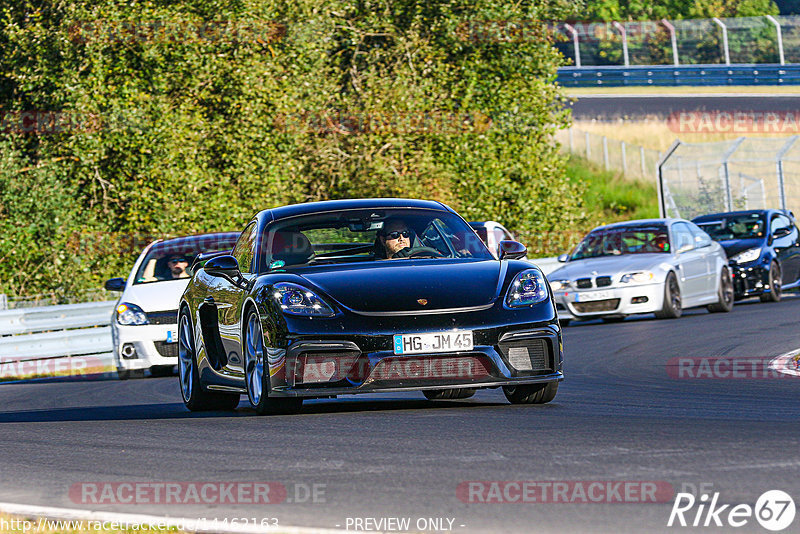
column 747, row 256
column 559, row 285
column 130, row 314
column 528, row 287
column 298, row 300
column 639, row 277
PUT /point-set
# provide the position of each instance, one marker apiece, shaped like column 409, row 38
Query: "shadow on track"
column 138, row 412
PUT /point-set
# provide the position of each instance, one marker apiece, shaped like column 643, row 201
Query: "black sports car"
column 359, row 296
column 763, row 248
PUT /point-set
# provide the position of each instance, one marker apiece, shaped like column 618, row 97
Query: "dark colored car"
column 763, row 248
column 307, row 305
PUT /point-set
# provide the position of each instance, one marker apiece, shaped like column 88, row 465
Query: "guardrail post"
column 624, row 159
column 724, row 39
column 624, row 34
column 780, row 38
column 3, row 302
column 674, row 40
column 605, row 152
column 575, row 41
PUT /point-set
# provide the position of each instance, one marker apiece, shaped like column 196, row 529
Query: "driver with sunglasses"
column 396, row 239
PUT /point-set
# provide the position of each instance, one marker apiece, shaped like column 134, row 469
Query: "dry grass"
column 656, row 133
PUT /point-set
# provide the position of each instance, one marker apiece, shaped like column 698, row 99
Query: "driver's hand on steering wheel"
column 402, row 253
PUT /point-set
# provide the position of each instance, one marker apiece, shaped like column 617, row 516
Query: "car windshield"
column 369, row 235
column 750, row 226
column 172, row 259
column 621, row 240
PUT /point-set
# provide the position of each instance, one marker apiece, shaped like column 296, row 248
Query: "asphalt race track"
column 617, row 417
column 589, row 107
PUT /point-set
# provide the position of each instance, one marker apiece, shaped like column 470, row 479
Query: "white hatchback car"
column 145, row 322
column 659, row 266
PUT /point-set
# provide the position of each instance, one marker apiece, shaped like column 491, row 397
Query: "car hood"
column 156, row 296
column 735, row 246
column 397, row 285
column 613, row 266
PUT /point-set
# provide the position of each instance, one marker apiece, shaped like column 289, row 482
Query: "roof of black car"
column 712, row 216
column 363, row 203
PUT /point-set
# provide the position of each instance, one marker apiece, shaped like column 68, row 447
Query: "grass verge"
column 609, row 197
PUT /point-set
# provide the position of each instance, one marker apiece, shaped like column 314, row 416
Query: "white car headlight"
column 747, row 256
column 527, row 288
column 558, row 285
column 130, row 314
column 639, row 277
column 298, row 300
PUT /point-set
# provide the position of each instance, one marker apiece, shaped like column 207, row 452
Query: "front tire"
column 775, row 289
column 531, row 393
column 442, row 394
column 724, row 293
column 195, row 397
column 256, row 371
column 672, row 307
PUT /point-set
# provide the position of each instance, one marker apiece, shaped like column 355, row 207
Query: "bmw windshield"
column 616, row 241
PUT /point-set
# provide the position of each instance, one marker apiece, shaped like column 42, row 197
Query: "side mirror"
column 511, row 250
column 115, row 284
column 222, row 266
column 781, row 232
column 563, row 258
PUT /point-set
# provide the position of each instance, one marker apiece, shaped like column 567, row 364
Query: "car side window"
column 245, row 248
column 701, row 239
column 683, row 236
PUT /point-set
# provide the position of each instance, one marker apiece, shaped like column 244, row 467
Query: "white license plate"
column 439, row 342
column 172, row 335
column 589, row 296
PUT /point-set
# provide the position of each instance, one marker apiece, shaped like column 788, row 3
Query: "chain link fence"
column 741, row 174
column 630, row 160
column 743, row 40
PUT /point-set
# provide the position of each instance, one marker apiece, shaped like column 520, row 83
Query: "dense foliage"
column 128, row 119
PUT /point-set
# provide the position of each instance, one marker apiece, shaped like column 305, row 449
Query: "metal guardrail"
column 668, row 75
column 547, row 265
column 30, row 320
column 56, row 340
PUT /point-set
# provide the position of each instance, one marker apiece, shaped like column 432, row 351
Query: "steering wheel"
column 425, row 251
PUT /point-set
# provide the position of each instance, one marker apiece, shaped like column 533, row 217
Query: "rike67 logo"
column 774, row 510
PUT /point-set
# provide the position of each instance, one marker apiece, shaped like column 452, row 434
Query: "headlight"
column 558, row 285
column 298, row 300
column 747, row 256
column 527, row 288
column 640, row 277
column 130, row 314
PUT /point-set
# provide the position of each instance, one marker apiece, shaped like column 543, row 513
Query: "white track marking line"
column 188, row 524
column 787, row 363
